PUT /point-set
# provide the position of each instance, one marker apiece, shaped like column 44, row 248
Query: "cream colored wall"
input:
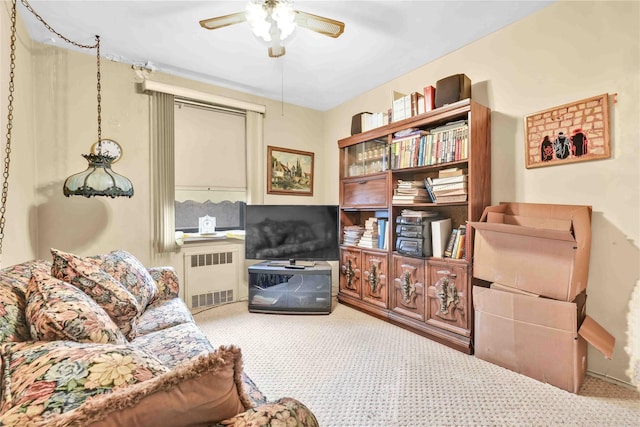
column 20, row 236
column 566, row 52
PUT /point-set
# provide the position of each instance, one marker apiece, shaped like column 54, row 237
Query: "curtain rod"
column 151, row 86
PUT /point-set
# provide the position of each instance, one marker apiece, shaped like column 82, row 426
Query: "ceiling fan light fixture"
column 285, row 18
column 274, row 21
column 257, row 17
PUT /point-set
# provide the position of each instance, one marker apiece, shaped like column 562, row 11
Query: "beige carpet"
column 353, row 370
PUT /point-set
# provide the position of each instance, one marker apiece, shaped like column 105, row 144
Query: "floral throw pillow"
column 87, row 275
column 200, row 392
column 130, row 272
column 41, row 379
column 13, row 284
column 59, row 311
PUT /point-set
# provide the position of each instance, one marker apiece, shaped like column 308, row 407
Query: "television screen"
column 283, row 232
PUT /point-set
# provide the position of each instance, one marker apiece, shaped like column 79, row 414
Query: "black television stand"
column 290, row 288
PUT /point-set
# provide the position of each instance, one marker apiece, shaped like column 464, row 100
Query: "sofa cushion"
column 87, row 275
column 282, row 412
column 129, row 271
column 13, row 285
column 174, row 346
column 58, row 311
column 40, row 379
column 199, row 393
column 162, row 314
column 166, row 281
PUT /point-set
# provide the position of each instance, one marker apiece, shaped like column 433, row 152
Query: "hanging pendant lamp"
column 98, row 179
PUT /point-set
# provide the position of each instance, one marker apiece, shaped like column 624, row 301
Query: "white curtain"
column 163, row 186
column 256, row 162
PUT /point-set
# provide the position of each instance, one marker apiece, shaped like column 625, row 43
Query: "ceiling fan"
column 274, row 21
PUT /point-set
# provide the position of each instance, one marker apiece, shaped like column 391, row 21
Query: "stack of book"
column 450, row 186
column 455, row 247
column 369, row 238
column 352, row 234
column 410, row 192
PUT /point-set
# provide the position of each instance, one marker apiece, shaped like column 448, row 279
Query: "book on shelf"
column 429, row 98
column 400, row 106
column 452, row 198
column 458, row 250
column 437, row 188
column 450, row 244
column 440, row 232
column 410, row 192
column 427, row 185
column 445, row 173
column 382, row 225
column 403, row 200
column 417, row 214
column 449, row 192
column 456, row 243
column 449, row 180
column 402, row 183
column 417, row 103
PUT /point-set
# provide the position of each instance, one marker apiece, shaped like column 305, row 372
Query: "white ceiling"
column 382, row 40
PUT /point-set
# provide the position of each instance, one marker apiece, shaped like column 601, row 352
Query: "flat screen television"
column 292, row 232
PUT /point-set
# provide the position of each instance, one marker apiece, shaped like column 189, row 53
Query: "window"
column 210, row 165
column 163, row 153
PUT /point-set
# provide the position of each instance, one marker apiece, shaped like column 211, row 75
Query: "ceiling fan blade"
column 223, row 21
column 319, row 24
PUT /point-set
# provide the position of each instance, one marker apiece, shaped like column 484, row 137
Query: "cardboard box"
column 541, row 338
column 538, row 248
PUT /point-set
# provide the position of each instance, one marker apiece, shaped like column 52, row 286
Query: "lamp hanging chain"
column 84, row 46
column 7, row 149
column 30, row 9
column 98, row 86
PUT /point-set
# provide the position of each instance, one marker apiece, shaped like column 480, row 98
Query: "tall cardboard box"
column 539, row 248
column 542, row 338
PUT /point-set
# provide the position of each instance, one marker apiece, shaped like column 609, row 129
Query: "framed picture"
column 289, row 172
column 569, row 133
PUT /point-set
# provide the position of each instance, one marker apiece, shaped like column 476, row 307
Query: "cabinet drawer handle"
column 362, row 182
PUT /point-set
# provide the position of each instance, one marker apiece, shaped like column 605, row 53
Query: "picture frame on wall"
column 569, row 133
column 289, row 171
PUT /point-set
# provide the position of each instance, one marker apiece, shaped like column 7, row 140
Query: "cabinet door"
column 374, row 278
column 364, row 192
column 448, row 297
column 350, row 272
column 408, row 287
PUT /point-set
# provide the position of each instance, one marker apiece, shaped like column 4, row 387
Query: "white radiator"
column 211, row 277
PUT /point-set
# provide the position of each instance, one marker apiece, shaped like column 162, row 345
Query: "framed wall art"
column 289, row 172
column 569, row 133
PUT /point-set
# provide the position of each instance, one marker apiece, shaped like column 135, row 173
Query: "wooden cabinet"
column 448, row 302
column 408, row 287
column 375, row 287
column 365, row 192
column 430, row 296
column 364, row 279
column 349, row 283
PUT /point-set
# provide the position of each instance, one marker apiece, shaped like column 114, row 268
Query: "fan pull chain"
column 282, row 86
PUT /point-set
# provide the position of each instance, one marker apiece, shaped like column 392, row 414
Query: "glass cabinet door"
column 366, row 158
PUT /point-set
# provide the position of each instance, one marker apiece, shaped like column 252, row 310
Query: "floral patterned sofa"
column 104, row 341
